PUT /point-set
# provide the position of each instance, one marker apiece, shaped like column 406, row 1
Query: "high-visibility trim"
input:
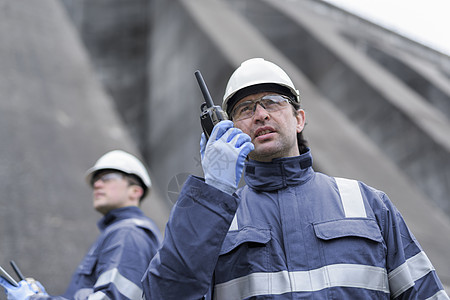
column 441, row 295
column 98, row 296
column 83, row 293
column 351, row 198
column 125, row 286
column 234, row 223
column 276, row 283
column 404, row 276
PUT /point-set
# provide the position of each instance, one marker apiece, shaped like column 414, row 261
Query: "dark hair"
column 135, row 180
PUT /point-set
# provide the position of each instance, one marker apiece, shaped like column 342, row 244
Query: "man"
column 115, row 264
column 290, row 233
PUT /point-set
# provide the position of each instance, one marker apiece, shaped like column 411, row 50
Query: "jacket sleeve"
column 410, row 273
column 184, row 265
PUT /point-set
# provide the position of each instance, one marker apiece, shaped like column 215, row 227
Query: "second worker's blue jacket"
column 290, row 233
column 114, row 266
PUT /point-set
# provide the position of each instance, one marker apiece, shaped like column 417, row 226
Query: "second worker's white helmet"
column 124, row 162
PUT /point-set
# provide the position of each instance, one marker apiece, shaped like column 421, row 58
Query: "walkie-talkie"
column 8, row 277
column 211, row 114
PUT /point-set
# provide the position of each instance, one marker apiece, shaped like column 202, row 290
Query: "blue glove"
column 24, row 290
column 223, row 156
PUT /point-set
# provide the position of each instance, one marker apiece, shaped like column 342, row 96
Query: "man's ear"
column 301, row 119
column 137, row 191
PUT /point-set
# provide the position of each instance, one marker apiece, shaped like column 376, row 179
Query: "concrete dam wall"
column 80, row 78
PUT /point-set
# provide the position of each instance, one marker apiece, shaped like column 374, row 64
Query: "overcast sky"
column 426, row 21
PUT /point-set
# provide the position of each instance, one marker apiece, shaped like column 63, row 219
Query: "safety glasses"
column 270, row 103
column 111, row 176
column 106, row 177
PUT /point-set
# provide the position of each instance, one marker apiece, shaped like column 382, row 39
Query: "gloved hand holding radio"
column 26, row 288
column 223, row 156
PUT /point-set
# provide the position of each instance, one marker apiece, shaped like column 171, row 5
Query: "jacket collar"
column 279, row 173
column 119, row 214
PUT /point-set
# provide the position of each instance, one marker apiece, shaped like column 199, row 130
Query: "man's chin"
column 263, row 154
column 99, row 205
column 102, row 209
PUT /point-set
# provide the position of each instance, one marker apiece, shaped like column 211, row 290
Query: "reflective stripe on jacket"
column 296, row 234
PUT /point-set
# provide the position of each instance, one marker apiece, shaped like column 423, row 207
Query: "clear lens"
column 270, row 103
column 105, row 177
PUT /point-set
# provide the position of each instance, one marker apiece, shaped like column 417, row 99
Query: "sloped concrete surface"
column 115, row 34
column 127, row 82
column 55, row 121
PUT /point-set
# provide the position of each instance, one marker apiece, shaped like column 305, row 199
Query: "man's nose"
column 97, row 183
column 260, row 112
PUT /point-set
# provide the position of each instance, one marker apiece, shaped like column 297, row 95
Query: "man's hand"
column 25, row 289
column 223, row 156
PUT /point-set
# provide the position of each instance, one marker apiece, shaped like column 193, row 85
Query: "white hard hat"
column 121, row 161
column 260, row 74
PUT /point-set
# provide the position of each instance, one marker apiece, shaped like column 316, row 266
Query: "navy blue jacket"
column 290, row 233
column 114, row 266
